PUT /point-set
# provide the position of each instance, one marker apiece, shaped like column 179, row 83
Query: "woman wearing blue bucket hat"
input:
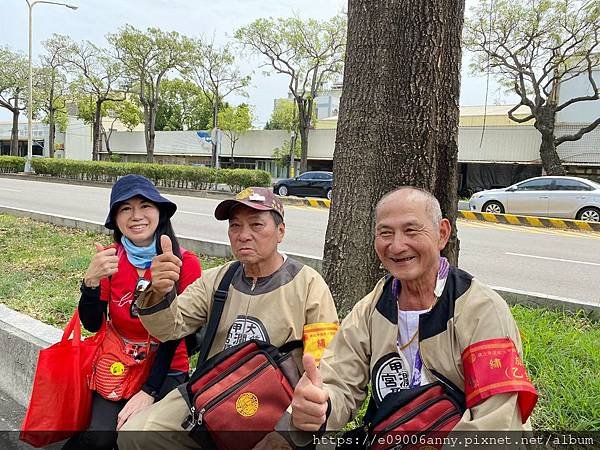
column 138, row 216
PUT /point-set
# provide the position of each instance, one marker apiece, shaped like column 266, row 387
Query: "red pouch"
column 61, row 401
column 239, row 395
column 121, row 367
column 405, row 418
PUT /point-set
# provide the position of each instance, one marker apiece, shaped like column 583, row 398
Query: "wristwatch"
column 142, row 287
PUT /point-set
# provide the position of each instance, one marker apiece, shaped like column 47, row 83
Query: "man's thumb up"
column 99, row 247
column 166, row 245
column 312, row 371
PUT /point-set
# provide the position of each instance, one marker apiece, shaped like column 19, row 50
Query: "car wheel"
column 328, row 194
column 282, row 190
column 493, row 207
column 589, row 214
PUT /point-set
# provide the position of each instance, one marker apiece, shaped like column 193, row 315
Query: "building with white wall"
column 40, row 133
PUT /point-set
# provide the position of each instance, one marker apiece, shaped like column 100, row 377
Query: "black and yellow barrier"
column 317, row 202
column 530, row 221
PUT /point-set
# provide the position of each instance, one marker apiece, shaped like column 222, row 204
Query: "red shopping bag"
column 61, row 400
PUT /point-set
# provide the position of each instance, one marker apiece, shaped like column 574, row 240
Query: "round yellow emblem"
column 117, row 368
column 247, row 404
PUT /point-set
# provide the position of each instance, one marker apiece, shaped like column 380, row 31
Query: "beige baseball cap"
column 259, row 198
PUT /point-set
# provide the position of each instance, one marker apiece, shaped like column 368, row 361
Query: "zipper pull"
column 200, row 416
column 253, row 284
column 188, row 423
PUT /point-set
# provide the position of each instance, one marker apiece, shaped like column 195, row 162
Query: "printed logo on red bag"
column 247, row 404
column 117, row 368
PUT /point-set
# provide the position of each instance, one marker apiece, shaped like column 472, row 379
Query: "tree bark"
column 398, row 126
column 151, row 132
column 544, row 123
column 304, row 125
column 51, row 132
column 213, row 154
column 148, row 136
column 14, row 135
column 96, row 142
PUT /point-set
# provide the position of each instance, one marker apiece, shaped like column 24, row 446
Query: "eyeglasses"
column 141, row 286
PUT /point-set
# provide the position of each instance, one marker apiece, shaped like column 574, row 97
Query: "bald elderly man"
column 424, row 318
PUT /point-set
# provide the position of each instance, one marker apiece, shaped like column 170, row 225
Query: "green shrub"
column 12, row 164
column 165, row 175
column 239, row 179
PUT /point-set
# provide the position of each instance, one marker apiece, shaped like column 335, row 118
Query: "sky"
column 218, row 18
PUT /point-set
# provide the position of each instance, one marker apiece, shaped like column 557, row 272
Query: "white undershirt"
column 408, row 323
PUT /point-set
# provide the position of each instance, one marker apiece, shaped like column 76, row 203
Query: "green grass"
column 562, row 355
column 42, row 265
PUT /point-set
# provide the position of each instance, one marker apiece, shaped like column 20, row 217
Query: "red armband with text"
column 494, row 367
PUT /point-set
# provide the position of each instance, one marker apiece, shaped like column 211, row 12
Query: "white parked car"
column 550, row 196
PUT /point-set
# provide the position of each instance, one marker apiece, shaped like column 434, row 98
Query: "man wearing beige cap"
column 272, row 298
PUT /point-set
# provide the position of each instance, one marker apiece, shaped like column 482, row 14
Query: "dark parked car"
column 310, row 184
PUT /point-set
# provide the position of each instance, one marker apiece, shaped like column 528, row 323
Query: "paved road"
column 11, row 417
column 547, row 261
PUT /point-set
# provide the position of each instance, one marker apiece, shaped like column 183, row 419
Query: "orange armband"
column 316, row 336
column 494, row 367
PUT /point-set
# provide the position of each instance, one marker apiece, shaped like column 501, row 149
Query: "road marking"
column 553, row 259
column 195, row 213
column 307, row 208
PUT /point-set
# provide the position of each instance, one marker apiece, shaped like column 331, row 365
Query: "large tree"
column 309, row 52
column 98, row 78
column 182, row 106
column 13, row 90
column 214, row 70
column 148, row 57
column 533, row 47
column 51, row 81
column 235, row 121
column 398, row 125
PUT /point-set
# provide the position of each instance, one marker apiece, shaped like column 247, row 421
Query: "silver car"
column 563, row 197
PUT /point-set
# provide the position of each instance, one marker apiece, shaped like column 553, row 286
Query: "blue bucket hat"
column 131, row 186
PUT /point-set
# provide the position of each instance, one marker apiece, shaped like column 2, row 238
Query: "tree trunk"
column 550, row 159
column 96, row 138
column 150, row 126
column 14, row 135
column 51, row 132
column 544, row 123
column 106, row 137
column 213, row 154
column 303, row 125
column 398, row 125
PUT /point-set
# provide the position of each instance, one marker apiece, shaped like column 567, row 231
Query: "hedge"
column 12, row 164
column 165, row 175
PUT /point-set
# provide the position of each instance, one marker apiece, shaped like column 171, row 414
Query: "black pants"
column 102, row 432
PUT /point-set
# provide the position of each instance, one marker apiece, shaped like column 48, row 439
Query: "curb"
column 531, row 221
column 217, row 195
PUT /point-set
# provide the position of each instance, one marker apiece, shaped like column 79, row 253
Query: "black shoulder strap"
column 289, row 346
column 217, row 309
